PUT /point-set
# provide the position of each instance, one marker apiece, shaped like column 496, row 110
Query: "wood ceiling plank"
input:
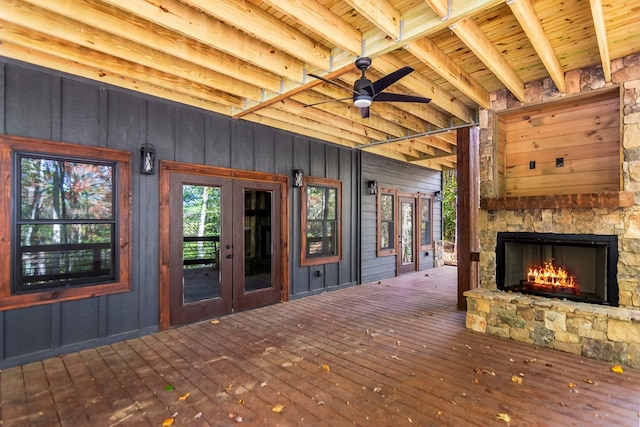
column 601, row 36
column 530, row 24
column 196, row 25
column 438, row 61
column 380, row 13
column 259, row 24
column 472, row 36
column 322, row 21
column 58, row 26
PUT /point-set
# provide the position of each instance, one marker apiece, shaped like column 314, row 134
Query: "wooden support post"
column 468, row 206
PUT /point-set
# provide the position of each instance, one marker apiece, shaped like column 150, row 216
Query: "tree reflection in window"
column 67, row 224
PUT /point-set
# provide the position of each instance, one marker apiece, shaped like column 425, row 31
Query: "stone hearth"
column 605, row 333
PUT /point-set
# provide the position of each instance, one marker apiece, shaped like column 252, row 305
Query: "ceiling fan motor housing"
column 362, row 92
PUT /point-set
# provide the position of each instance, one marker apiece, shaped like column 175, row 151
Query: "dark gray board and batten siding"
column 48, row 105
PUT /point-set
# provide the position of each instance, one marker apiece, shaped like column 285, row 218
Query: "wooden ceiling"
column 250, row 59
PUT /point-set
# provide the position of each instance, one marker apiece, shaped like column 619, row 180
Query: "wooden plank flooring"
column 394, row 353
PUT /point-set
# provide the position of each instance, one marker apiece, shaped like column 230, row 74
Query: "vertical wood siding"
column 48, row 105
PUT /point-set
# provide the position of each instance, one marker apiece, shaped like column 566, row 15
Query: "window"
column 321, row 236
column 68, row 234
column 426, row 222
column 386, row 222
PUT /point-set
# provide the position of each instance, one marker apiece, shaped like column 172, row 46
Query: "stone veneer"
column 606, row 333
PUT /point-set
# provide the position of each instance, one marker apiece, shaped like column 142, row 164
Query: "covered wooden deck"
column 394, row 353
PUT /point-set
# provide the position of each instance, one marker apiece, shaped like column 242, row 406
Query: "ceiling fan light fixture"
column 362, row 101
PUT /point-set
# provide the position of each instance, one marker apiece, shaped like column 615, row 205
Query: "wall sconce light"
column 373, row 187
column 298, row 174
column 437, row 196
column 147, row 159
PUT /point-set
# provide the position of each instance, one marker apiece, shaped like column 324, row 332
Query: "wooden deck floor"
column 394, row 353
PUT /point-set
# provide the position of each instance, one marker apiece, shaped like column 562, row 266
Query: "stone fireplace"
column 606, row 323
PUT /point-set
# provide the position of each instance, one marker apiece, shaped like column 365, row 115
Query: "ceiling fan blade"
column 397, row 97
column 364, row 112
column 331, row 82
column 324, row 102
column 386, row 81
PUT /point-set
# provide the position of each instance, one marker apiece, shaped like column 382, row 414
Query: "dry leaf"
column 278, row 408
column 475, row 381
column 588, row 381
column 197, row 416
column 326, row 367
column 617, row 369
column 572, row 385
column 229, row 388
column 516, row 379
column 377, row 389
column 168, row 422
column 504, row 417
column 215, row 321
column 184, row 396
column 241, row 401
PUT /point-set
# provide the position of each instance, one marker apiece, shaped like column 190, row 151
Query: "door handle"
column 230, row 256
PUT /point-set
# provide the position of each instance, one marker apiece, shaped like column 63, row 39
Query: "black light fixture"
column 298, row 174
column 437, row 196
column 147, row 159
column 372, row 186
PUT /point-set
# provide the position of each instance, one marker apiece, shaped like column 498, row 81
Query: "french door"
column 407, row 253
column 223, row 250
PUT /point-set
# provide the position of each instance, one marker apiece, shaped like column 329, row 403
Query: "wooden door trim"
column 166, row 168
column 415, row 197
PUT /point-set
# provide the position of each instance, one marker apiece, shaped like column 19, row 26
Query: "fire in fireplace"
column 578, row 267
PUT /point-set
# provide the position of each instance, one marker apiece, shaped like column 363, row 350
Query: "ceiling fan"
column 366, row 92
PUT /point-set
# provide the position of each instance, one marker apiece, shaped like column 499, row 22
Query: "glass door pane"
column 201, row 242
column 407, row 233
column 258, row 250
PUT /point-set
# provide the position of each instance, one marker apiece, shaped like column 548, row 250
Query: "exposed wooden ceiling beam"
column 426, row 51
column 239, row 48
column 256, row 22
column 530, row 24
column 440, row 7
column 381, row 14
column 472, row 36
column 601, row 35
column 322, row 21
column 74, row 32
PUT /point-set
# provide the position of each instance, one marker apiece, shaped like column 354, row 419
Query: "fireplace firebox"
column 576, row 267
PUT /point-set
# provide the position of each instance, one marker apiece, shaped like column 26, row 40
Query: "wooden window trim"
column 9, row 144
column 421, row 198
column 326, row 182
column 392, row 251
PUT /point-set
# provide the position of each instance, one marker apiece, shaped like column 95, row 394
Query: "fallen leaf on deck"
column 168, row 422
column 215, row 321
column 184, row 396
column 229, row 388
column 572, row 385
column 238, row 419
column 241, row 401
column 484, row 371
column 278, row 409
column 197, row 416
column 504, row 417
column 475, row 381
column 394, row 357
column 168, row 388
column 264, row 383
column 588, row 381
column 326, row 367
column 516, row 379
column 377, row 389
column 617, row 369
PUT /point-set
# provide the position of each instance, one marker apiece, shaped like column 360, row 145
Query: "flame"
column 551, row 277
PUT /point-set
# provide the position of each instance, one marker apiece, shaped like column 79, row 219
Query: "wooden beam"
column 182, row 19
column 528, row 20
column 440, row 7
column 259, row 24
column 322, row 21
column 468, row 206
column 472, row 36
column 380, row 13
column 74, row 32
column 601, row 36
column 427, row 52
